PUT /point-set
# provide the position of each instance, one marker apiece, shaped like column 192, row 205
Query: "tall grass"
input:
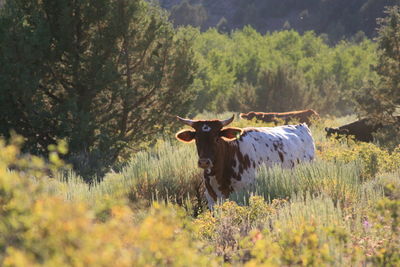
column 167, row 172
column 337, row 180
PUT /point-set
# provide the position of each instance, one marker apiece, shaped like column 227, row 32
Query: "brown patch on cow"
column 280, row 155
column 246, row 163
column 278, row 145
column 225, row 164
column 209, row 188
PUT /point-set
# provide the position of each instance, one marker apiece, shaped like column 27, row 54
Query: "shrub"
column 42, row 230
column 373, row 158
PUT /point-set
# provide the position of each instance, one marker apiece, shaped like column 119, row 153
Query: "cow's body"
column 361, row 130
column 230, row 165
column 302, row 116
column 283, row 145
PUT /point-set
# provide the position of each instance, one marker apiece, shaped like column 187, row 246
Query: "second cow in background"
column 301, row 116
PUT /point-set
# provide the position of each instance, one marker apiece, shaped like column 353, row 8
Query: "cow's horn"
column 226, row 122
column 186, row 121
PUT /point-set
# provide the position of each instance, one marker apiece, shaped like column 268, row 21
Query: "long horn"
column 186, row 121
column 226, row 122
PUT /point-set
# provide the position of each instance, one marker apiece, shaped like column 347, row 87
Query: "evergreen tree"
column 106, row 75
column 187, row 14
column 381, row 99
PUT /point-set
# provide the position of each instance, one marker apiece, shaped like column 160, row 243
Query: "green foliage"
column 381, row 99
column 373, row 159
column 279, row 71
column 104, row 75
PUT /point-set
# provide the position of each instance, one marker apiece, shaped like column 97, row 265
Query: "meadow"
column 340, row 210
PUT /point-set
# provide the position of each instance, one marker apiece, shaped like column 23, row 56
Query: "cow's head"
column 209, row 135
column 247, row 116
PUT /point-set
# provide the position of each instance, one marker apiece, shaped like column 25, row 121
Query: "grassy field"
column 341, row 210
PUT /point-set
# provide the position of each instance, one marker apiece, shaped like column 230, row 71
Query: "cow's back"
column 361, row 130
column 285, row 145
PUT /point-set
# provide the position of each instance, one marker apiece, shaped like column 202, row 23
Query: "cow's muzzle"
column 205, row 163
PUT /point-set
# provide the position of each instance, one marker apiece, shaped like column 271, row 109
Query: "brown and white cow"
column 302, row 116
column 230, row 156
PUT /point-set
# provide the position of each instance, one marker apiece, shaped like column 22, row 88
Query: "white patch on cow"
column 284, row 145
column 206, row 128
column 236, row 168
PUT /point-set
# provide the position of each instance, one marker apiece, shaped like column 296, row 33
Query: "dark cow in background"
column 361, row 130
column 302, row 116
column 230, row 156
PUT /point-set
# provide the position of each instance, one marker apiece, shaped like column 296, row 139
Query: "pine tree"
column 107, row 75
column 380, row 100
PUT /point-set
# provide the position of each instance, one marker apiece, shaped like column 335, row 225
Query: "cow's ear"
column 230, row 133
column 186, row 136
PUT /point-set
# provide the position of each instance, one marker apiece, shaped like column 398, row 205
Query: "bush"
column 373, row 158
column 39, row 229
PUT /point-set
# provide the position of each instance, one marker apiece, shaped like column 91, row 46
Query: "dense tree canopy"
column 105, row 75
column 282, row 71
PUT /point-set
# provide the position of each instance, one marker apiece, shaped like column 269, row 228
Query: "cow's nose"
column 204, row 163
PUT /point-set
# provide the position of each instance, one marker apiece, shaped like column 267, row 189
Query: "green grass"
column 338, row 180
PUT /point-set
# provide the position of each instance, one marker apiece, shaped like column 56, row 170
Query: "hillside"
column 339, row 19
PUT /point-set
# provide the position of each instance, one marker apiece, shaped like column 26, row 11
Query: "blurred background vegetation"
column 334, row 19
